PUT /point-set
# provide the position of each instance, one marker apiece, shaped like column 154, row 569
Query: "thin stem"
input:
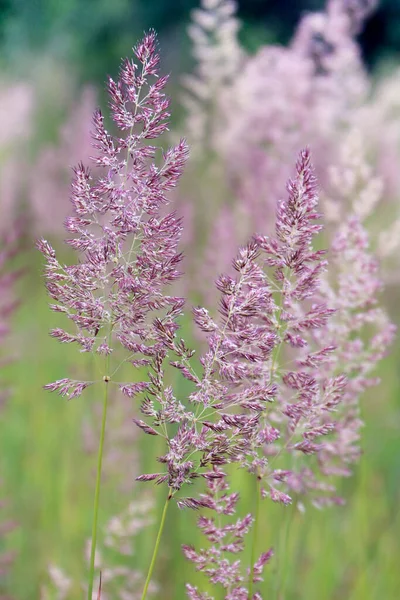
column 97, row 492
column 255, row 537
column 156, row 546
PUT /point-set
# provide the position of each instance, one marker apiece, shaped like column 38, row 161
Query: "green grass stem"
column 156, row 546
column 255, row 537
column 97, row 493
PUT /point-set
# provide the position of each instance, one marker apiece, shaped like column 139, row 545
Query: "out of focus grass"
column 347, row 553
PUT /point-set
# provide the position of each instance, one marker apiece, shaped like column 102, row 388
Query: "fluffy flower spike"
column 126, row 241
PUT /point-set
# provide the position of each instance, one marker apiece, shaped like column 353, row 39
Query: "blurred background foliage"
column 93, row 35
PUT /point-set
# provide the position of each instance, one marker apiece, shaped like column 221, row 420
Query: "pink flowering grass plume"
column 220, row 562
column 128, row 250
column 271, row 386
column 273, row 395
column 265, row 395
column 294, row 353
column 126, row 241
column 268, row 307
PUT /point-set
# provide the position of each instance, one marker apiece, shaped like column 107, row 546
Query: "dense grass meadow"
column 228, row 304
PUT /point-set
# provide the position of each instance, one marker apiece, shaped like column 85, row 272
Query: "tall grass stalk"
column 256, row 526
column 97, row 492
column 157, row 545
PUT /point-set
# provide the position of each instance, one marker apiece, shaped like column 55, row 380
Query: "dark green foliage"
column 93, row 34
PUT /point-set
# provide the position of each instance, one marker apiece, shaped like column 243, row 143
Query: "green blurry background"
column 349, row 553
column 93, row 35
